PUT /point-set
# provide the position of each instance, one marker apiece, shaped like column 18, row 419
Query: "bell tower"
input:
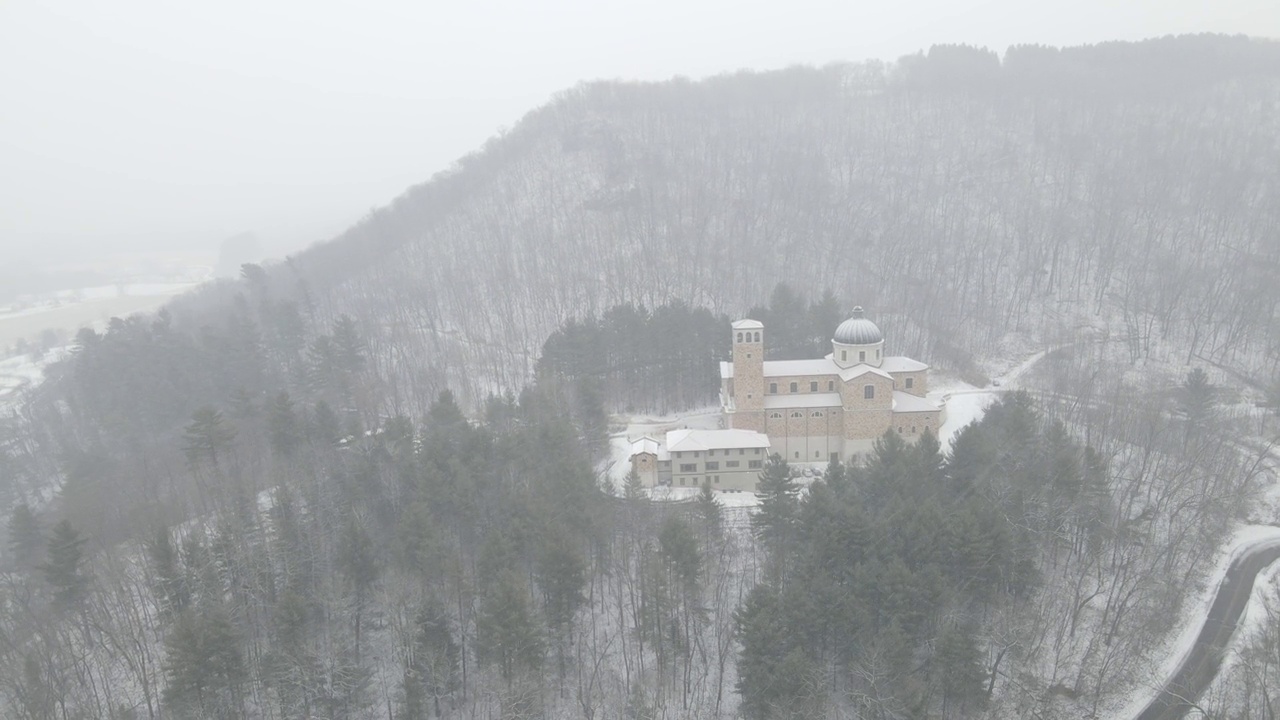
column 748, row 375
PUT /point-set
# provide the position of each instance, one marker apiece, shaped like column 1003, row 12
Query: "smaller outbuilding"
column 725, row 459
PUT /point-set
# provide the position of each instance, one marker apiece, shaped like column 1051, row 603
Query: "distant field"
column 71, row 317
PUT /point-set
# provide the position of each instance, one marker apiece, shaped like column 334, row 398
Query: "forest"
column 367, row 481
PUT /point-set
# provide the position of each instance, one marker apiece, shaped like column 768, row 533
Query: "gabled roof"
column 689, row 440
column 748, row 325
column 645, row 444
column 908, row 403
column 850, row 373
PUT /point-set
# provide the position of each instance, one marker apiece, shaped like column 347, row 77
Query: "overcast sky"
column 146, row 124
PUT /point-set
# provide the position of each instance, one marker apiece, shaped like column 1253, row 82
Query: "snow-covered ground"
column 23, row 371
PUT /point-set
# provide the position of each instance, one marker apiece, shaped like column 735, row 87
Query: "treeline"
column 668, row 359
column 661, row 360
column 881, row 582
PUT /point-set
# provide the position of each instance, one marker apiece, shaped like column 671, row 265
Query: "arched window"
column 817, row 413
column 862, row 356
column 775, row 415
column 757, row 337
column 869, row 392
column 739, row 337
column 797, row 414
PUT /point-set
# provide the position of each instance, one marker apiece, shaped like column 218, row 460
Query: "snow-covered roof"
column 645, row 444
column 784, row 368
column 850, row 373
column 748, row 325
column 908, row 403
column 687, row 440
column 802, row 400
column 817, row 366
column 899, row 363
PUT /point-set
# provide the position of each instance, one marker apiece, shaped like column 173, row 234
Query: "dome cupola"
column 857, row 341
column 858, row 330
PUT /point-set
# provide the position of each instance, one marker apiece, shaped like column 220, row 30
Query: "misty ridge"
column 372, row 480
column 951, row 191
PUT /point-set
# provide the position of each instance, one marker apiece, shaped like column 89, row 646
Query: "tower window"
column 795, row 387
column 844, row 356
column 739, row 337
column 757, row 337
column 869, row 392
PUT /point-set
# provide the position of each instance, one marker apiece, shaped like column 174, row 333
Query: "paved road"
column 1201, row 665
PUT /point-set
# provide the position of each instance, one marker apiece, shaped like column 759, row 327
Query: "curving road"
column 1201, row 664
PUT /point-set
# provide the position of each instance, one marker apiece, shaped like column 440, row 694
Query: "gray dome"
column 858, row 330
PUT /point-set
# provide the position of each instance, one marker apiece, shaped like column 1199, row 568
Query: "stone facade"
column 815, row 410
column 748, row 385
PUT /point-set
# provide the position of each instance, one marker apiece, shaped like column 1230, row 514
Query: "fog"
column 149, row 126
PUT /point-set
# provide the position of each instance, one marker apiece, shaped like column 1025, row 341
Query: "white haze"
column 147, row 125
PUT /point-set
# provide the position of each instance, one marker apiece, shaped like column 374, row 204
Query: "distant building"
column 809, row 411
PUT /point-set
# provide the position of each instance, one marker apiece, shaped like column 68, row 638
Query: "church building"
column 808, row 411
column 830, row 407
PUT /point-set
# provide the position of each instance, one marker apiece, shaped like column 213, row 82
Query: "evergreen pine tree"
column 62, row 570
column 204, row 665
column 208, row 437
column 709, row 514
column 171, row 583
column 283, row 428
column 25, row 539
column 359, row 567
column 957, row 669
column 325, row 428
column 432, row 666
column 506, row 631
column 1196, row 401
column 774, row 521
